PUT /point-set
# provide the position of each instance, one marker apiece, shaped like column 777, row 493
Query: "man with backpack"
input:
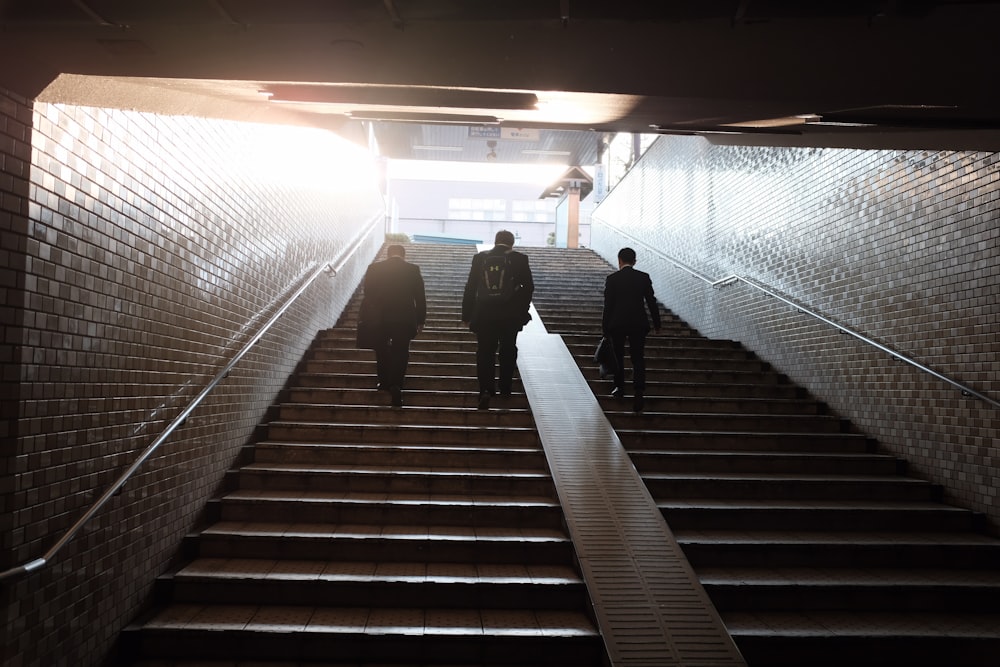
column 495, row 307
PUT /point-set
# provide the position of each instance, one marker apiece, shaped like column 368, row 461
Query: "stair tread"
column 383, row 446
column 430, row 571
column 399, row 427
column 649, row 430
column 352, row 620
column 402, row 470
column 469, row 500
column 809, row 505
column 388, row 531
column 784, row 477
column 624, row 406
column 821, row 576
column 400, row 447
column 860, row 623
column 651, row 395
column 782, row 454
column 902, row 537
column 411, row 408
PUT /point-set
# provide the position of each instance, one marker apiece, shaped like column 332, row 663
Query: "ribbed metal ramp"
column 650, row 606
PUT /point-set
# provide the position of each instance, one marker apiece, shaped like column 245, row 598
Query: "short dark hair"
column 504, row 238
column 395, row 251
column 627, row 255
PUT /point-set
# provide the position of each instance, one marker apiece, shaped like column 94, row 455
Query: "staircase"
column 814, row 547
column 356, row 533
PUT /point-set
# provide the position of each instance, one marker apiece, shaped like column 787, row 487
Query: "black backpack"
column 497, row 283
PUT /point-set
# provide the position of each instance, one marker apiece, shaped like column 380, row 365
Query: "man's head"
column 626, row 256
column 504, row 238
column 395, row 251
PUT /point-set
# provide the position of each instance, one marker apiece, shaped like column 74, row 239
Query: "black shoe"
column 638, row 403
column 484, row 401
column 618, row 393
column 396, row 397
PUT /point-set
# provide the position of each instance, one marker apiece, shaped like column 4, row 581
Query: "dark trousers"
column 496, row 340
column 392, row 354
column 637, row 352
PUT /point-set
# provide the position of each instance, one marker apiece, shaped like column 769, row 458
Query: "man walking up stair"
column 495, row 306
column 627, row 295
column 394, row 301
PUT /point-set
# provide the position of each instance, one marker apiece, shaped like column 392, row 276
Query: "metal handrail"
column 733, row 279
column 327, row 267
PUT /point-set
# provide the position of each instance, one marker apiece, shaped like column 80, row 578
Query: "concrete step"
column 394, row 479
column 811, row 463
column 448, row 384
column 428, row 456
column 834, row 639
column 655, row 403
column 807, row 515
column 640, row 439
column 712, row 376
column 442, row 397
column 369, row 635
column 817, row 548
column 408, row 415
column 428, row 585
column 658, row 389
column 389, row 543
column 584, row 346
column 853, row 590
column 455, row 353
column 465, row 367
column 301, row 432
column 378, row 508
column 763, row 486
column 625, row 419
column 344, row 336
column 664, row 348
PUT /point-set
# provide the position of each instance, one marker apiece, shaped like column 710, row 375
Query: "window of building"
column 533, row 210
column 464, row 208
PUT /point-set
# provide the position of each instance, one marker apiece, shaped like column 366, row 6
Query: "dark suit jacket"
column 394, row 295
column 515, row 311
column 627, row 295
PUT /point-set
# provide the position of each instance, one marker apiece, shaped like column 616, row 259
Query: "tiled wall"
column 901, row 246
column 15, row 159
column 153, row 249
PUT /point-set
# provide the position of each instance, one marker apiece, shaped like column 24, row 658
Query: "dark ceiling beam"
column 402, row 96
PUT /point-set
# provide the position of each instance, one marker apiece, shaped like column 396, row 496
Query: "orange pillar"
column 573, row 218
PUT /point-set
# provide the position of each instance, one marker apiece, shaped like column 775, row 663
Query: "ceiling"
column 529, row 80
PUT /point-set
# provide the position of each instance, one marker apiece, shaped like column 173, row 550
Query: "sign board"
column 497, row 132
column 520, row 134
column 484, row 132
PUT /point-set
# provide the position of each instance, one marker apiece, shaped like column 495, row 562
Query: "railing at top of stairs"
column 330, row 268
column 733, row 279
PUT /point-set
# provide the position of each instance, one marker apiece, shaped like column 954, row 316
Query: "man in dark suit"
column 627, row 295
column 394, row 304
column 497, row 318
